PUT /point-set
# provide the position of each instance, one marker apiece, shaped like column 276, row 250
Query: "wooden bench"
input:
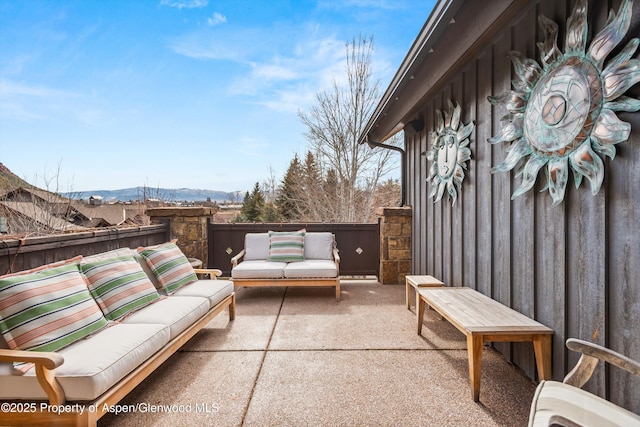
column 483, row 319
column 417, row 282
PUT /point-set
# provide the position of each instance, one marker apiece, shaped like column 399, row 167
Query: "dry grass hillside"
column 10, row 181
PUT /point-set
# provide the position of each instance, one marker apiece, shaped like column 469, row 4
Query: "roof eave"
column 442, row 48
column 440, row 17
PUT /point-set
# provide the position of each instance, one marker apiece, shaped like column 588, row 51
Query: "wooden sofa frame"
column 45, row 362
column 301, row 282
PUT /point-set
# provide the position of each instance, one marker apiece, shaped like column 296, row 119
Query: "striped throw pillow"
column 47, row 310
column 119, row 285
column 170, row 266
column 286, row 246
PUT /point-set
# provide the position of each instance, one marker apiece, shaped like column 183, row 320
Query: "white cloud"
column 29, row 102
column 363, row 4
column 289, row 81
column 8, row 88
column 216, row 19
column 284, row 67
column 218, row 43
column 273, row 72
column 188, row 4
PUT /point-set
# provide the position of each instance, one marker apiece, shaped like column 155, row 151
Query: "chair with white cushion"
column 566, row 404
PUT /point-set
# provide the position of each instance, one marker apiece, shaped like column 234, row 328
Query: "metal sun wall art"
column 562, row 113
column 449, row 153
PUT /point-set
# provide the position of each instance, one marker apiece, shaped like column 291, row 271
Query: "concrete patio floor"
column 298, row 357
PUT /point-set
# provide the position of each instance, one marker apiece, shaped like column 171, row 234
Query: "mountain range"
column 164, row 194
column 10, row 181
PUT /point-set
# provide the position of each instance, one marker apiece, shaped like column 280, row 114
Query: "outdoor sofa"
column 297, row 258
column 137, row 308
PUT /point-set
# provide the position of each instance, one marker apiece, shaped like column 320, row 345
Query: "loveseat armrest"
column 44, row 362
column 591, row 355
column 336, row 255
column 238, row 257
column 212, row 272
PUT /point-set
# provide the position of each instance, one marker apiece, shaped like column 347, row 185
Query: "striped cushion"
column 119, row 285
column 47, row 310
column 286, row 246
column 73, row 260
column 169, row 265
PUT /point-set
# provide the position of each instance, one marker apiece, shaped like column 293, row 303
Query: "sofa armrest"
column 44, row 362
column 212, row 272
column 591, row 355
column 238, row 257
column 49, row 360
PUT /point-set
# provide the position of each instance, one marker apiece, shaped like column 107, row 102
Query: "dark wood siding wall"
column 574, row 267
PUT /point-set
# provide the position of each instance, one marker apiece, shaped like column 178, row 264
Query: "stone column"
column 395, row 244
column 189, row 226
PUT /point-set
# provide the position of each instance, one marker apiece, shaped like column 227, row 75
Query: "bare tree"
column 32, row 211
column 270, row 187
column 334, row 123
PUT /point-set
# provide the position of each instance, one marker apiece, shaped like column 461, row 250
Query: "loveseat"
column 298, row 258
column 80, row 334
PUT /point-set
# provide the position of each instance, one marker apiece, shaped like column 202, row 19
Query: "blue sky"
column 176, row 93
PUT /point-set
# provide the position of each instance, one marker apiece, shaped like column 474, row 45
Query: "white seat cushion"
column 258, row 270
column 555, row 401
column 176, row 313
column 320, row 268
column 91, row 366
column 214, row 290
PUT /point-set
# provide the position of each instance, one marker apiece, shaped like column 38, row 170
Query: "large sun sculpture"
column 563, row 114
column 449, row 153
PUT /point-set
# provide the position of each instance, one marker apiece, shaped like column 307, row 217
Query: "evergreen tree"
column 270, row 213
column 288, row 201
column 246, row 207
column 331, row 188
column 253, row 204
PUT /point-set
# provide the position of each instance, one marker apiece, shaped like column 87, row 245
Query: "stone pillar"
column 189, row 226
column 395, row 244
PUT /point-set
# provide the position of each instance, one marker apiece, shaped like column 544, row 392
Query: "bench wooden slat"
column 475, row 311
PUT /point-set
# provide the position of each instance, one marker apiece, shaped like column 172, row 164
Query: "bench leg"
column 542, row 349
column 420, row 306
column 338, row 290
column 474, row 348
column 409, row 297
column 232, row 307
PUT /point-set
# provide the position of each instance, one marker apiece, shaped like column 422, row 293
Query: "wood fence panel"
column 16, row 255
column 501, row 188
column 522, row 222
column 429, row 219
column 426, row 257
column 417, row 189
column 622, row 279
column 457, row 242
column 468, row 209
column 483, row 164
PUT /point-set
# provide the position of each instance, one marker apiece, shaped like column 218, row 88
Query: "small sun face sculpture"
column 562, row 114
column 449, row 153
